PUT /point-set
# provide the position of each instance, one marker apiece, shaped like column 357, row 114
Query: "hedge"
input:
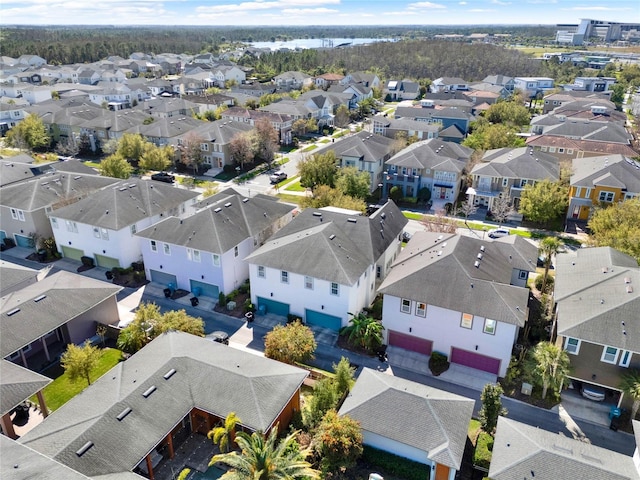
column 395, row 465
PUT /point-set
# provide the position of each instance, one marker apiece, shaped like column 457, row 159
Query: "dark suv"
column 163, row 177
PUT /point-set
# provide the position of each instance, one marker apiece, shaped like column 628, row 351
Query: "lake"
column 317, row 43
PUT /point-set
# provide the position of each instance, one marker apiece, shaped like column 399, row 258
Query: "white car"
column 498, row 233
column 277, row 177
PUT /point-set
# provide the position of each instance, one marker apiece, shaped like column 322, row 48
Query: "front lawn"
column 309, row 148
column 295, row 187
column 413, row 216
column 61, row 390
column 483, row 444
column 289, row 198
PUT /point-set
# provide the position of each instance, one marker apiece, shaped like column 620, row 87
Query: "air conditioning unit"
column 526, row 388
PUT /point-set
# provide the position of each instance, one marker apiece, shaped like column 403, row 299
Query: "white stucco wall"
column 442, row 326
column 402, row 450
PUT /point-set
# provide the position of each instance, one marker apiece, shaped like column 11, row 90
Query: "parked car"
column 220, row 337
column 163, row 177
column 277, row 177
column 593, row 393
column 498, row 233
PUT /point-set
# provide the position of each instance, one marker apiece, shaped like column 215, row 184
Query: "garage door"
column 206, row 289
column 163, row 278
column 271, row 306
column 72, row 253
column 323, row 320
column 3, row 235
column 409, row 342
column 24, row 241
column 475, row 360
column 107, row 262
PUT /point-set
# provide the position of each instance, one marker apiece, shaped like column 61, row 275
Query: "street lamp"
column 484, row 230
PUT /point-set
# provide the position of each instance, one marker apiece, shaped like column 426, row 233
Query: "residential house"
column 293, row 80
column 31, row 60
column 11, row 112
column 606, row 132
column 19, row 168
column 103, row 226
column 208, row 103
column 481, row 93
column 367, row 79
column 326, row 79
column 282, row 123
column 597, row 304
column 327, row 103
column 397, row 90
column 159, row 398
column 205, row 253
column 168, row 130
column 600, row 181
column 36, row 93
column 392, row 127
column 15, row 277
column 168, row 108
column 453, row 99
column 24, row 206
column 433, row 164
column 567, row 149
column 39, row 320
column 255, row 89
column 365, row 151
column 448, row 84
column 446, row 117
column 591, row 84
column 461, row 296
column 394, row 413
column 554, row 100
column 507, row 171
column 324, row 265
column 524, row 451
column 115, row 97
column 533, row 86
column 501, row 81
column 599, row 114
column 358, row 92
column 88, row 76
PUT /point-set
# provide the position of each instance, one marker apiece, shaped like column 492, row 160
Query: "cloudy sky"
column 312, row 12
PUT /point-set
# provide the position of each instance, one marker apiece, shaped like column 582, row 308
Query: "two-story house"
column 11, row 112
column 532, row 86
column 292, row 80
column 103, row 226
column 325, row 264
column 597, row 295
column 507, row 171
column 392, row 127
column 282, row 123
column 445, row 117
column 448, row 84
column 591, row 84
column 433, row 164
column 601, row 180
column 461, row 296
column 205, row 253
column 397, row 90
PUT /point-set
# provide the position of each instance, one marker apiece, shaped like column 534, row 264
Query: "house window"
column 335, row 289
column 284, row 276
column 196, row 256
column 467, row 321
column 216, row 260
column 421, row 309
column 606, row 196
column 308, row 283
column 261, row 272
column 560, row 150
column 71, row 226
column 625, row 358
column 505, row 182
column 405, row 306
column 54, row 222
column 378, row 271
column 609, row 355
column 570, row 151
column 543, row 149
column 523, row 183
column 133, row 229
column 552, row 149
column 17, row 214
column 572, row 345
column 489, row 326
column 522, row 275
column 167, row 249
column 104, row 233
column 154, row 246
column 96, row 232
column 235, row 251
column 25, row 349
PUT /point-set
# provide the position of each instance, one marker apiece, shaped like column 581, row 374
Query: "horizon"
column 312, row 13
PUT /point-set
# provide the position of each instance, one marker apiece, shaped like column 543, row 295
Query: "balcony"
column 396, row 178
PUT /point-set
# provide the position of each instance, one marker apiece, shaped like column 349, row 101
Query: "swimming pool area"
column 212, row 473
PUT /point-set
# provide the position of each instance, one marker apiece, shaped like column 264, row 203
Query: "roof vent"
column 332, row 236
column 482, row 248
column 476, row 264
column 218, row 210
column 123, row 414
column 317, row 214
column 629, row 289
column 77, row 177
column 245, row 200
column 439, row 237
column 439, row 252
column 627, row 280
column 605, row 269
column 352, row 220
column 228, row 204
column 479, row 256
column 149, row 391
column 84, row 449
column 39, row 298
column 12, row 312
column 122, row 189
column 169, row 374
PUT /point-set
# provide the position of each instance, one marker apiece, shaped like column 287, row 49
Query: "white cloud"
column 499, row 2
column 422, row 5
column 462, row 3
column 261, row 5
column 308, row 11
column 596, row 8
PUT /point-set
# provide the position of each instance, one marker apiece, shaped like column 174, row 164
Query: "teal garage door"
column 24, row 241
column 163, row 278
column 271, row 306
column 206, row 289
column 107, row 262
column 3, row 235
column 323, row 320
column 72, row 253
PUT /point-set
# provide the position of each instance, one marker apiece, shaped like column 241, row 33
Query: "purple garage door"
column 475, row 360
column 409, row 342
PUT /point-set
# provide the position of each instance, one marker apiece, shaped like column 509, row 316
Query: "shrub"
column 244, row 288
column 248, row 306
column 482, row 452
column 222, row 299
column 548, row 287
column 413, row 200
column 396, row 466
column 232, row 296
column 438, row 363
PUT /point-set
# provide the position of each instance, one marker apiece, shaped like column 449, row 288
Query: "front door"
column 442, row 472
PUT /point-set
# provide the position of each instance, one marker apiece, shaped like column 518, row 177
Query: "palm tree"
column 264, row 458
column 549, row 246
column 549, row 365
column 630, row 385
column 364, row 331
column 224, row 435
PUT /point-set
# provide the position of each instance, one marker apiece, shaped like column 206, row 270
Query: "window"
column 606, row 196
column 467, row 321
column 284, row 276
column 552, row 149
column 505, row 182
column 71, row 226
column 216, row 260
column 167, row 249
column 104, row 233
column 196, row 256
column 560, row 150
column 405, row 306
column 489, row 326
column 25, row 349
column 378, row 271
column 154, row 246
column 609, row 355
column 335, row 289
column 522, row 275
column 572, row 345
column 625, row 358
column 308, row 283
column 54, row 222
column 261, row 272
column 570, row 151
column 235, row 251
column 96, row 232
column 421, row 309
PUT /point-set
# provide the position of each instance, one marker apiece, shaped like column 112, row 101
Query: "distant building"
column 600, row 30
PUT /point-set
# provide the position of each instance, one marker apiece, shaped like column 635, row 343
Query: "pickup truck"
column 163, row 177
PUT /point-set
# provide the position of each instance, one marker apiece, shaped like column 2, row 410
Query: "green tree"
column 292, row 343
column 156, row 158
column 324, row 196
column 192, row 156
column 264, row 458
column 548, row 366
column 618, row 226
column 323, row 399
column 241, row 149
column 209, row 189
column 617, row 94
column 311, row 125
column 30, row 133
column 342, row 117
column 630, row 385
column 78, row 361
column 299, row 127
column 491, row 407
column 131, row 147
column 549, row 247
column 338, row 441
column 486, row 136
column 508, row 112
column 319, row 169
column 544, row 201
column 344, row 376
column 364, row 331
column 265, row 140
column 224, row 435
column 395, row 193
column 352, row 182
column 115, row 166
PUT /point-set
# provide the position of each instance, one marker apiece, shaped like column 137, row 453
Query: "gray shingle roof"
column 125, row 203
column 607, row 171
column 367, row 146
column 602, row 132
column 12, row 274
column 523, row 162
column 433, row 154
column 332, row 246
column 419, row 270
column 209, row 376
column 423, row 417
column 524, row 452
column 219, row 231
column 592, row 297
column 64, row 296
column 17, row 384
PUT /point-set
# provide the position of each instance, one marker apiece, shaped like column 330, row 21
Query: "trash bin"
column 615, row 424
column 262, row 309
column 249, row 316
column 167, row 292
column 197, row 291
column 194, row 301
